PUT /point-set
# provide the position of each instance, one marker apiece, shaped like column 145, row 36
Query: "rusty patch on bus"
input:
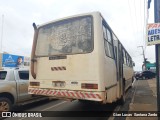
column 58, row 68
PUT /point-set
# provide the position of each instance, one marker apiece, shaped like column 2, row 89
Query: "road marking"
column 48, row 108
column 54, row 106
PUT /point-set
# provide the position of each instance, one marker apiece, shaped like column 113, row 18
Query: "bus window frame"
column 126, row 58
column 67, row 19
column 106, row 26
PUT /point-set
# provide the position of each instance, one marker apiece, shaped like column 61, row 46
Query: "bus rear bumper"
column 68, row 94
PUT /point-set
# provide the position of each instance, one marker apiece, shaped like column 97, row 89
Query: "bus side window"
column 106, row 47
column 111, row 50
column 108, row 41
column 130, row 62
column 126, row 59
column 104, row 33
column 115, row 49
column 109, row 36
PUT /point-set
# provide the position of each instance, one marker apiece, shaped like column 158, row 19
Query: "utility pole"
column 143, row 57
column 157, row 49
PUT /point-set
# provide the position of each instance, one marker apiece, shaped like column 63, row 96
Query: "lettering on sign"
column 153, row 34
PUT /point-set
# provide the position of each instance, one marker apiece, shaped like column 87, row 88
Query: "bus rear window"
column 69, row 36
column 3, row 75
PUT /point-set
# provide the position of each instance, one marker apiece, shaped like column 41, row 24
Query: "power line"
column 135, row 16
column 144, row 25
column 133, row 30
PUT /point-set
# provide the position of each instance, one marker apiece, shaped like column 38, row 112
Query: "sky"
column 127, row 18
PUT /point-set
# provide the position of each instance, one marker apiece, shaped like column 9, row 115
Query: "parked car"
column 137, row 75
column 14, row 89
column 147, row 75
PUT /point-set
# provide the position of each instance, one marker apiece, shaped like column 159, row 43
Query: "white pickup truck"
column 14, row 89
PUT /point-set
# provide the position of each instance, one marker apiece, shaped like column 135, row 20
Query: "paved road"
column 93, row 109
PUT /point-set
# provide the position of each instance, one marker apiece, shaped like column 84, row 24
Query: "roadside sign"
column 9, row 60
column 153, row 30
column 148, row 65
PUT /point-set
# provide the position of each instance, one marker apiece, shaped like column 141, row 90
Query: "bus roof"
column 77, row 15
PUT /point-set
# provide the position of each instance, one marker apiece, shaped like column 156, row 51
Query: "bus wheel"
column 132, row 79
column 82, row 101
column 122, row 100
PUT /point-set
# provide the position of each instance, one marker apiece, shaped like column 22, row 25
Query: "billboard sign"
column 153, row 30
column 9, row 60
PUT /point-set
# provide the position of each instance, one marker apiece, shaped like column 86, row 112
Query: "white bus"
column 79, row 57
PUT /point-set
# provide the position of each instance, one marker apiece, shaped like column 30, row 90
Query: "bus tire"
column 82, row 101
column 122, row 100
column 5, row 104
column 132, row 79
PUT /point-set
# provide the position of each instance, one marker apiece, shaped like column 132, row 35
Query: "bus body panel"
column 65, row 78
column 128, row 75
column 68, row 69
column 79, row 68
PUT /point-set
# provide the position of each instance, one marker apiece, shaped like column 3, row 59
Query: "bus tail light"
column 36, row 84
column 89, row 86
